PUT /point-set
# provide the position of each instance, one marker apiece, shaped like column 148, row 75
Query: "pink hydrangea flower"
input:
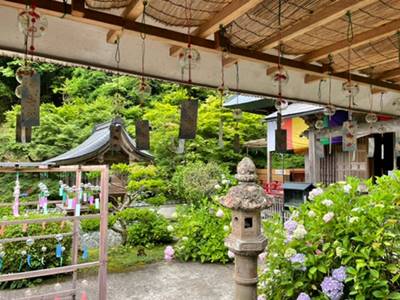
column 169, row 253
column 231, row 254
column 261, row 257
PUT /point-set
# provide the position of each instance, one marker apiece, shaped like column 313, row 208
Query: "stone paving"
column 159, row 281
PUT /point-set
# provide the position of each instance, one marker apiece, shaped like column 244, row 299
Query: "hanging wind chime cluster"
column 32, row 25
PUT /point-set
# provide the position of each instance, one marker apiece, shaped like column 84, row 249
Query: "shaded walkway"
column 159, row 281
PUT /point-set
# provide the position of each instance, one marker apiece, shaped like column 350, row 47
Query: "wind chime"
column 143, row 126
column 371, row 118
column 280, row 78
column 188, row 59
column 33, row 26
column 330, row 109
column 44, row 193
column 17, row 192
column 2, row 255
column 350, row 90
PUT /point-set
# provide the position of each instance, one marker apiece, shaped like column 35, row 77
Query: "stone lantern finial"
column 246, row 240
column 247, row 195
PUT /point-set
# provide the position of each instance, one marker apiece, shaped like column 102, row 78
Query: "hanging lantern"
column 329, row 110
column 189, row 57
column 280, row 76
column 31, row 23
column 281, row 104
column 237, row 114
column 319, row 124
column 371, row 118
column 350, row 89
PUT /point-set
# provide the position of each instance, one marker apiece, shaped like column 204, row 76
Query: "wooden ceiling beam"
column 130, row 13
column 389, row 74
column 319, row 18
column 224, row 17
column 77, row 6
column 98, row 18
column 360, row 39
column 310, row 78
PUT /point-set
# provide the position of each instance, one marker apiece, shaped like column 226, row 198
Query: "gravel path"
column 159, row 281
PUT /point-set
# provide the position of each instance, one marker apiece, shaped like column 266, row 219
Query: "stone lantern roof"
column 247, row 195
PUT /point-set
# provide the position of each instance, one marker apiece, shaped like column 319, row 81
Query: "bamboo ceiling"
column 309, row 31
column 252, row 28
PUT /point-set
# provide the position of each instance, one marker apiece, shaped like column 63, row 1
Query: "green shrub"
column 90, row 225
column 13, row 256
column 196, row 181
column 340, row 228
column 201, row 233
column 144, row 226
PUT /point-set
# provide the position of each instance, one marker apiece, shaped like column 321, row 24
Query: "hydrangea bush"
column 344, row 243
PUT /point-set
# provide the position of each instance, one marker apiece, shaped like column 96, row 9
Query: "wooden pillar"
column 103, row 233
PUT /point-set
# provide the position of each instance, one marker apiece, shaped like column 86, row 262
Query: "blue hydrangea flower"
column 332, row 288
column 339, row 274
column 303, row 296
column 290, row 226
column 298, row 258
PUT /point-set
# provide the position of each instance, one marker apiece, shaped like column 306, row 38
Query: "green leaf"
column 394, row 295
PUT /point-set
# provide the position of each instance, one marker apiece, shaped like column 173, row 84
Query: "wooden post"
column 75, row 235
column 103, row 233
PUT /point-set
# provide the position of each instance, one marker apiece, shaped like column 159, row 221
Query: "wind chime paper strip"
column 280, row 140
column 142, row 135
column 22, row 134
column 349, row 136
column 397, row 143
column 371, row 147
column 188, row 123
column 30, row 101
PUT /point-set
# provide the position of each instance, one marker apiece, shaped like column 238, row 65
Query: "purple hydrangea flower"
column 298, row 258
column 303, row 296
column 332, row 288
column 290, row 226
column 339, row 274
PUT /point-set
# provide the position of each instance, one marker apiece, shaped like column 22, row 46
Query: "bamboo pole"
column 36, row 237
column 48, row 220
column 47, row 272
column 103, row 234
column 75, row 235
column 62, row 294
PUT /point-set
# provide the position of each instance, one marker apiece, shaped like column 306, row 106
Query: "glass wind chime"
column 280, row 79
column 144, row 87
column 350, row 90
column 189, row 58
column 32, row 25
column 143, row 126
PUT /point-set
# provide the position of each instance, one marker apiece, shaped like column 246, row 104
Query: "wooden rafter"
column 131, row 13
column 227, row 15
column 360, row 39
column 320, row 17
column 78, row 7
column 97, row 18
column 393, row 73
column 309, row 78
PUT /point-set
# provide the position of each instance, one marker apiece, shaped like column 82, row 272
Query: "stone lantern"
column 246, row 200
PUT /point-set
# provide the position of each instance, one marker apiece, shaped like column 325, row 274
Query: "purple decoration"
column 16, row 208
column 91, row 199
